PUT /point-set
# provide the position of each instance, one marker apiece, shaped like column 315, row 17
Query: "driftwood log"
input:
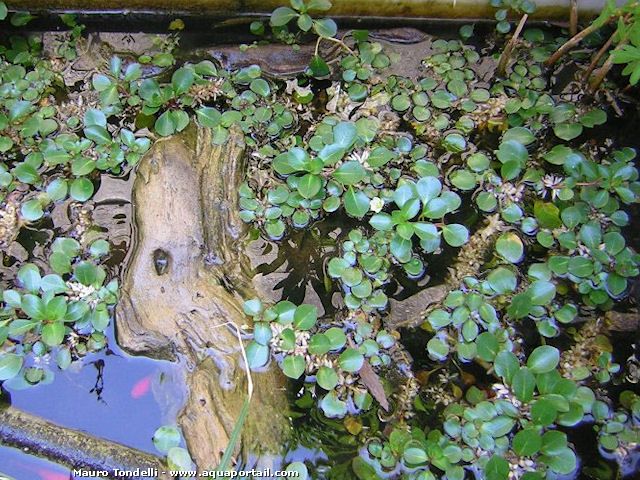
column 185, row 280
column 74, row 449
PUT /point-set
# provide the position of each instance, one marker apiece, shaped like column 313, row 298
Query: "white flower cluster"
column 551, row 186
column 302, row 340
column 510, row 192
column 8, row 224
column 360, row 157
column 503, row 392
column 519, row 466
column 82, row 292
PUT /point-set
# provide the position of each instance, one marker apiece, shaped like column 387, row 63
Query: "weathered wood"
column 185, row 208
column 623, row 322
column 75, row 449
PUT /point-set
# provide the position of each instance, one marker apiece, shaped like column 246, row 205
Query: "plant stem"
column 573, row 41
column 335, row 40
column 606, row 67
column 506, row 54
column 573, row 18
column 598, row 56
column 234, row 438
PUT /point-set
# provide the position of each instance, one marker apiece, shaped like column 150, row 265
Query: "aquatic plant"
column 491, row 177
column 324, row 27
column 622, row 47
column 46, row 316
column 514, row 432
column 167, row 440
column 505, row 7
column 281, row 23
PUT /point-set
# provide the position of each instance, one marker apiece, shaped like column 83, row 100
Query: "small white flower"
column 509, row 192
column 291, row 86
column 79, row 292
column 551, row 184
column 376, row 204
column 360, row 157
column 583, row 251
column 551, row 181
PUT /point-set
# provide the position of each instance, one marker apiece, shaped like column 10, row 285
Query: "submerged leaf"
column 373, row 384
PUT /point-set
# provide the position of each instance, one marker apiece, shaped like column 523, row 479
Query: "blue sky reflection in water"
column 21, row 466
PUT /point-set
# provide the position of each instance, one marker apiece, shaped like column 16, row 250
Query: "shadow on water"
column 294, row 268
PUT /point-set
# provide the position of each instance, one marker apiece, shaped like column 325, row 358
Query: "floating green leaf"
column 332, row 406
column 547, row 214
column 319, row 67
column 350, row 173
column 356, row 203
column 166, row 437
column 497, row 468
column 305, row 316
column 523, row 384
column 455, row 234
column 31, row 210
column 543, row 359
column 350, row 360
column 510, row 247
column 282, row 15
column 309, row 185
column 10, row 365
column 527, row 442
column 488, row 346
column 325, row 27
column 567, row 131
column 260, row 86
column 327, row 378
column 293, row 366
column 179, row 459
column 81, row 189
column 53, row 333
column 257, row 355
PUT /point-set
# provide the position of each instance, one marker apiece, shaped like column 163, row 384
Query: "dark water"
column 124, row 399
